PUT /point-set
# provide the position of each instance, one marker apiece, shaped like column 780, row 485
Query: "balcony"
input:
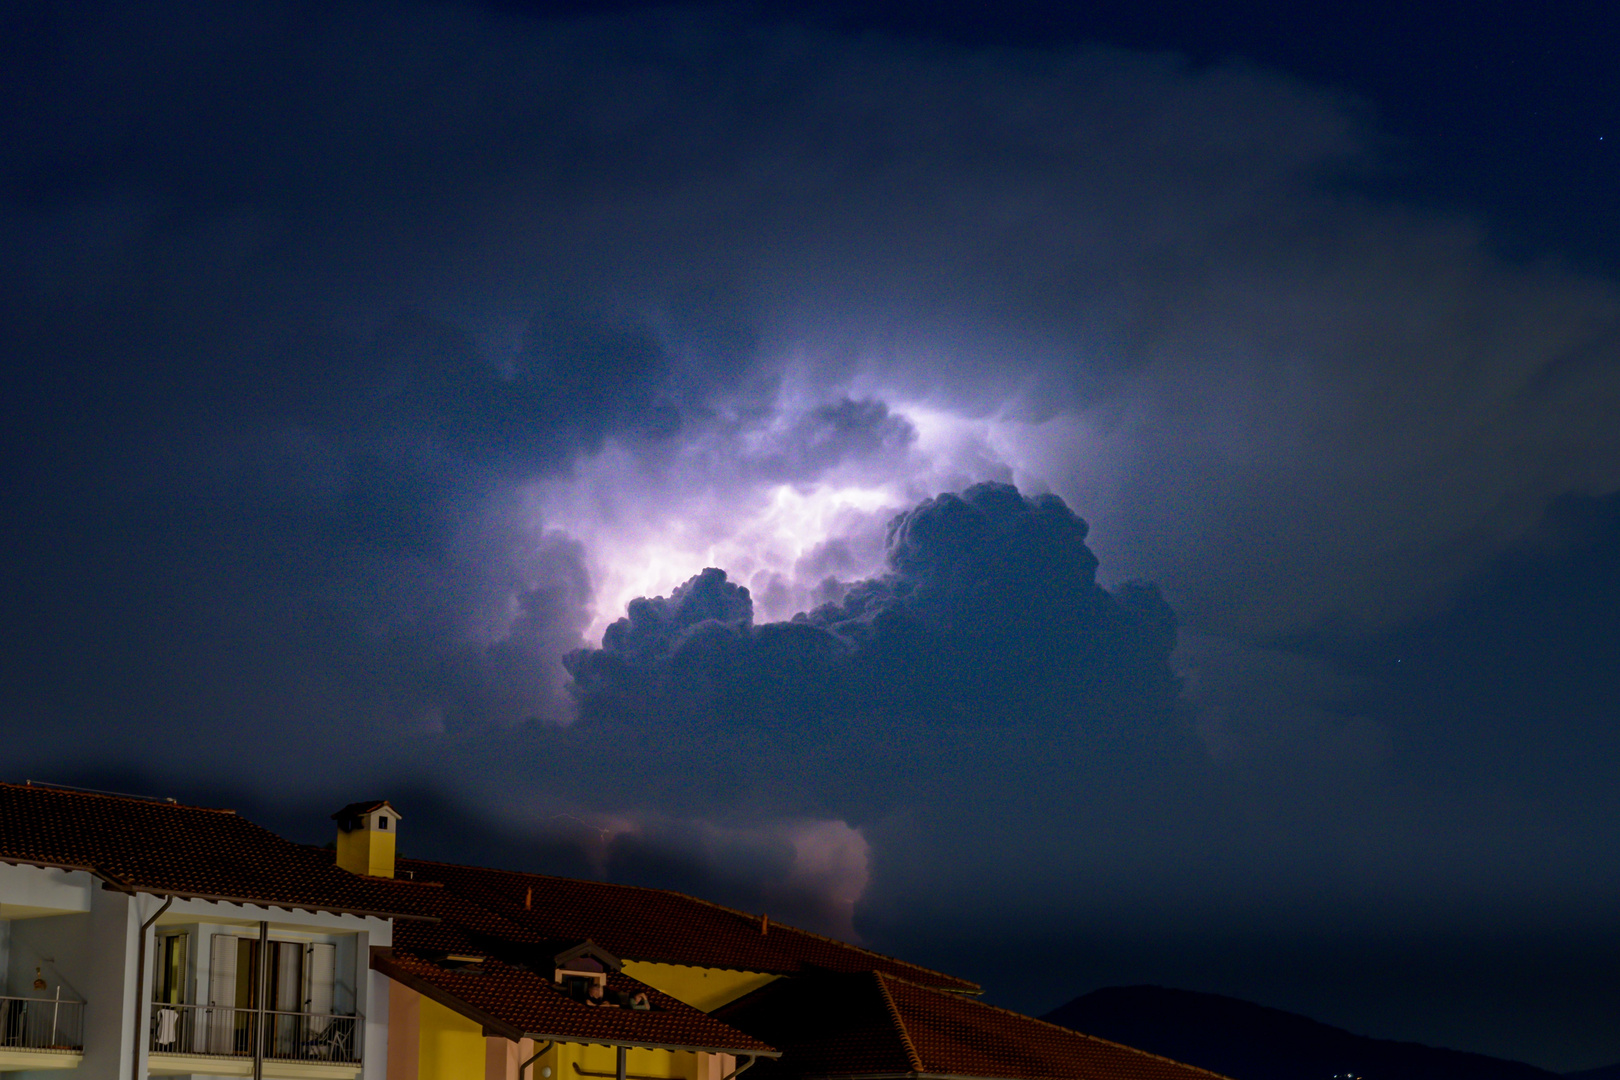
column 41, row 1033
column 219, row 1041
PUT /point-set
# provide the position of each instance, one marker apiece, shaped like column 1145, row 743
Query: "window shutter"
column 320, row 970
column 219, row 1032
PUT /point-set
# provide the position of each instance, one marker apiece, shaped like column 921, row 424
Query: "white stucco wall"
column 375, row 989
column 26, row 891
column 109, row 984
column 83, row 936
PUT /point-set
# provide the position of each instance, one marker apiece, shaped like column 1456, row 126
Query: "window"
column 382, row 822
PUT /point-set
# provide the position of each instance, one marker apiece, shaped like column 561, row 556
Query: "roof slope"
column 637, row 923
column 875, row 1025
column 144, row 845
column 511, row 998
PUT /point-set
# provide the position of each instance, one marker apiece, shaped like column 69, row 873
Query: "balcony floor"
column 15, row 1058
column 160, row 1064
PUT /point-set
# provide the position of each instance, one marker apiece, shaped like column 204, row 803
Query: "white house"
column 146, row 938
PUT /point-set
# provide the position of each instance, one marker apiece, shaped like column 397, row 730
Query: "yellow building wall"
column 702, row 988
column 584, row 1061
column 365, row 851
column 451, row 1046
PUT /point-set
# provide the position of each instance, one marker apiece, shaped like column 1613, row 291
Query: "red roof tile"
column 526, row 1003
column 656, row 925
column 162, row 847
column 875, row 1025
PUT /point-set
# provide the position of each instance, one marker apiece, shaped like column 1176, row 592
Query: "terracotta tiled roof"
column 163, row 847
column 654, row 925
column 521, row 1003
column 875, row 1025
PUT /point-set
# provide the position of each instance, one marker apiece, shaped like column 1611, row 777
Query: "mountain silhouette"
column 1245, row 1041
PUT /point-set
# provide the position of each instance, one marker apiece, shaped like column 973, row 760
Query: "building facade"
column 141, row 938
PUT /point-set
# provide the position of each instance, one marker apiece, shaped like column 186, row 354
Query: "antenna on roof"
column 98, row 791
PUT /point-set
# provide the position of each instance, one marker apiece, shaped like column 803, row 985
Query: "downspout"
column 549, row 1044
column 258, row 1011
column 744, row 1067
column 622, row 1055
column 140, row 984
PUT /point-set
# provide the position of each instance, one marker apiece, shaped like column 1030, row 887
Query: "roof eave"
column 632, row 1044
column 291, row 905
column 114, row 882
column 914, row 1076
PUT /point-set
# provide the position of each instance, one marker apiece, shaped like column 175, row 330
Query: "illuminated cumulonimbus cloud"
column 986, row 607
column 783, row 498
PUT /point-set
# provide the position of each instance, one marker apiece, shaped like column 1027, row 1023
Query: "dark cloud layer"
column 989, row 610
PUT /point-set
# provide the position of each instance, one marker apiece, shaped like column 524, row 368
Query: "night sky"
column 1070, row 496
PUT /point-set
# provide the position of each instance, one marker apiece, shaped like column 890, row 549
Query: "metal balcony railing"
column 41, row 1023
column 219, row 1031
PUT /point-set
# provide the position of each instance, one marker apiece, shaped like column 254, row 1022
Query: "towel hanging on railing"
column 167, row 1021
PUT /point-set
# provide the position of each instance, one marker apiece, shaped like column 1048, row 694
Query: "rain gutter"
column 140, row 984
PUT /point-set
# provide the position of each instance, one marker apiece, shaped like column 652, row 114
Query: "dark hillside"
column 1251, row 1042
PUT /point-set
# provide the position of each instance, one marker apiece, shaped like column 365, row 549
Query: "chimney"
column 365, row 839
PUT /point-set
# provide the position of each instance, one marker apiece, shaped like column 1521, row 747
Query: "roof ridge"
column 947, row 995
column 120, row 796
column 899, row 1024
column 323, row 850
column 747, row 916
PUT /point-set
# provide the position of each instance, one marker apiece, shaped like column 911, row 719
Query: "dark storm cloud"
column 1510, row 689
column 299, row 298
column 614, row 228
column 487, row 653
column 989, row 609
column 572, row 380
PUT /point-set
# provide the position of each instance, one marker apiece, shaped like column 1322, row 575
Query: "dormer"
column 585, row 959
column 575, row 968
column 365, row 839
